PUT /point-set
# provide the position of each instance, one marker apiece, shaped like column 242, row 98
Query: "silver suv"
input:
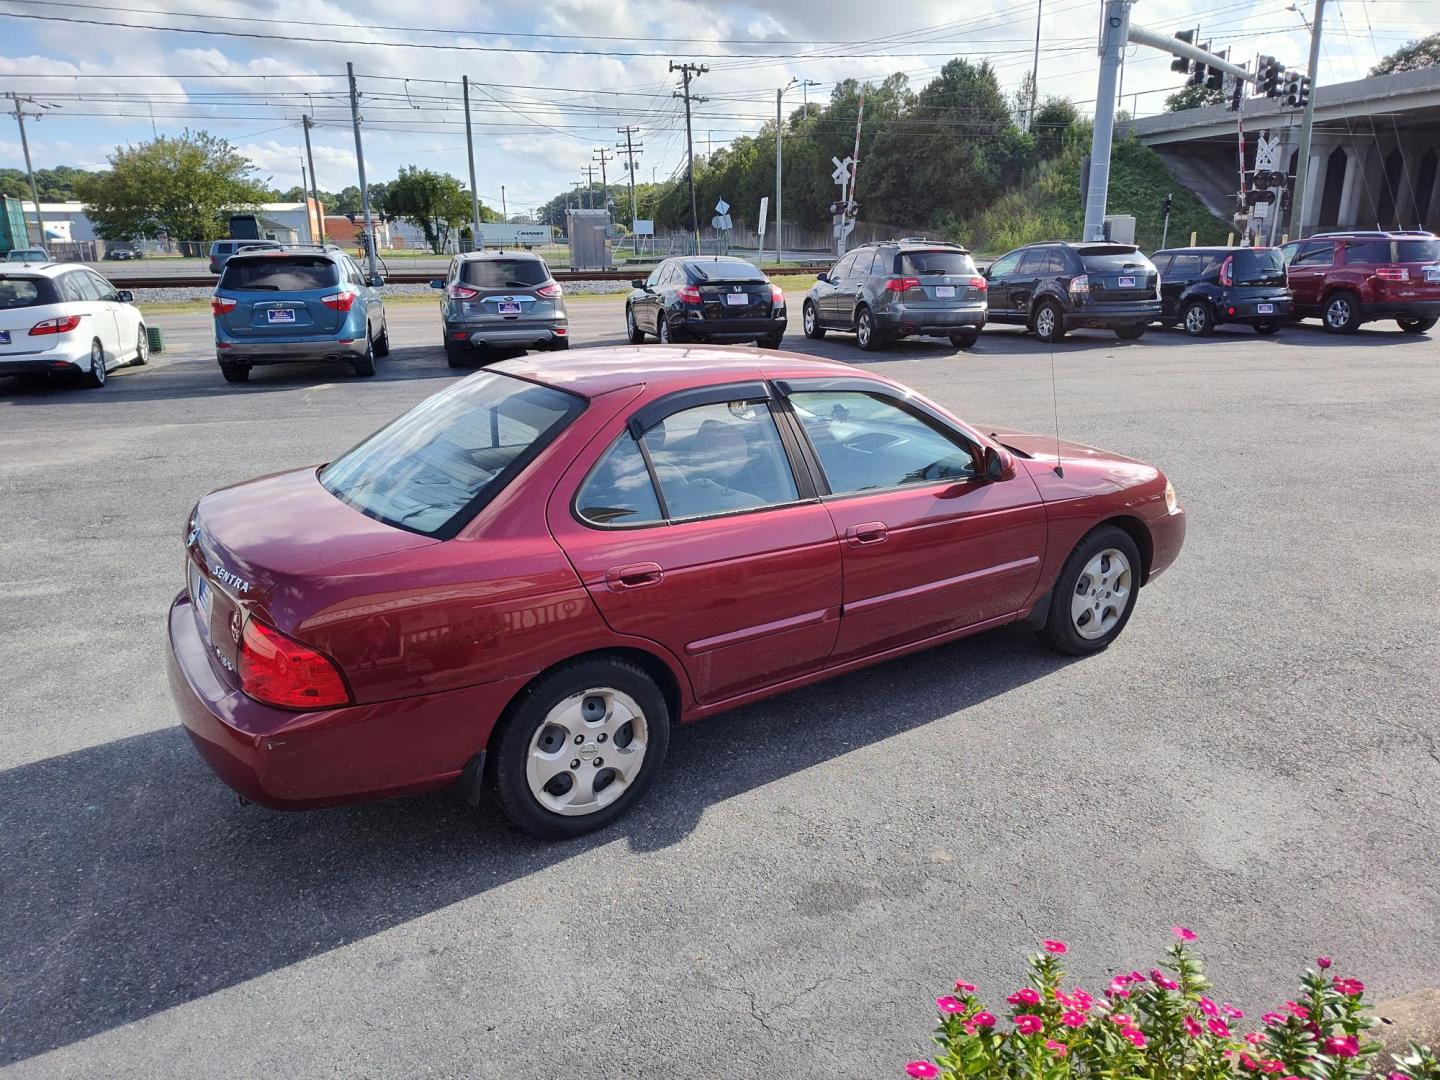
column 500, row 299
column 899, row 288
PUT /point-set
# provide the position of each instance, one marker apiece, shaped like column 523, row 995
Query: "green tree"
column 55, row 185
column 1053, row 122
column 183, row 187
column 1424, row 53
column 435, row 203
column 1194, row 97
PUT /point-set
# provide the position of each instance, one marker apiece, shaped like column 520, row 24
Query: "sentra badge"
column 227, row 577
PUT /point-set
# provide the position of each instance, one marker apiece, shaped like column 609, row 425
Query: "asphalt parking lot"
column 1257, row 756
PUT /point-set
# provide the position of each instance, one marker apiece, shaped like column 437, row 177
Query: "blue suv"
column 297, row 304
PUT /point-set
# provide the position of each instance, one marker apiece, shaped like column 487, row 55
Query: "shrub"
column 1165, row 1025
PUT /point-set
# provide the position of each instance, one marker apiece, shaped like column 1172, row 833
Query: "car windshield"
column 1259, row 266
column 280, row 273
column 432, row 469
column 505, row 273
column 957, row 263
column 18, row 292
column 723, row 270
column 1417, row 250
column 1110, row 259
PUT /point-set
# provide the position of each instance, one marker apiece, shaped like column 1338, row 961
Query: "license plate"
column 1127, row 283
column 200, row 594
column 509, row 307
column 737, row 299
column 944, row 292
column 1265, row 309
column 280, row 315
column 1432, row 273
column 4, row 337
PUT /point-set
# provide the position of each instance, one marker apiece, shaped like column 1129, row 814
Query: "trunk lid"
column 1419, row 260
column 26, row 299
column 735, row 299
column 947, row 277
column 280, row 295
column 1120, row 275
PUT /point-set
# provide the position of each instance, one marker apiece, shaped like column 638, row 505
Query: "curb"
column 1402, row 1020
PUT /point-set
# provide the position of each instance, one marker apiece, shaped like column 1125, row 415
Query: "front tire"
column 1416, row 326
column 95, row 377
column 1049, row 322
column 964, row 339
column 578, row 748
column 867, row 333
column 142, row 347
column 1095, row 593
column 1197, row 319
column 1342, row 313
column 813, row 330
column 632, row 328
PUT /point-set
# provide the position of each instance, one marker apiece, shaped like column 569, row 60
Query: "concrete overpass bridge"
column 1373, row 158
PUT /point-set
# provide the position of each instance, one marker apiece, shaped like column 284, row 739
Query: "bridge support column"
column 1309, row 214
column 1356, row 158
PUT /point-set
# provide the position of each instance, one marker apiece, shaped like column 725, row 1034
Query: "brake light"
column 1080, row 286
column 979, row 283
column 222, row 305
column 902, row 284
column 340, row 301
column 1227, row 276
column 461, row 292
column 1392, row 273
column 63, row 325
column 777, row 296
column 280, row 671
column 688, row 294
column 550, row 290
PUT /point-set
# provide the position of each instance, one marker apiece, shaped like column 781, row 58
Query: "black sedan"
column 706, row 298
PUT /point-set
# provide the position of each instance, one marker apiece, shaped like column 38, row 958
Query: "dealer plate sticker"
column 944, row 292
column 737, row 299
column 1432, row 273
column 509, row 307
column 1265, row 309
column 4, row 337
column 280, row 315
column 1127, row 283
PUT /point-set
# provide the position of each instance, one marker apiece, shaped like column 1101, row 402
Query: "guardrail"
column 208, row 281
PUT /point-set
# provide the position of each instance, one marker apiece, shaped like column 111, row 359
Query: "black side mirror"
column 376, row 281
column 985, row 273
column 437, row 283
column 125, row 296
column 637, row 283
column 999, row 465
column 823, row 275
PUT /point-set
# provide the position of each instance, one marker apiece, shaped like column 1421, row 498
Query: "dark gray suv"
column 899, row 288
column 500, row 300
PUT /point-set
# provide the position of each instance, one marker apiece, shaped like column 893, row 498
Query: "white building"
column 68, row 222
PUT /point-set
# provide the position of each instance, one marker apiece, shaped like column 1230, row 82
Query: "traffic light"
column 1259, row 195
column 1214, row 77
column 1165, row 205
column 1197, row 74
column 1180, row 63
column 1291, row 94
column 1286, row 200
column 1302, row 92
column 1267, row 76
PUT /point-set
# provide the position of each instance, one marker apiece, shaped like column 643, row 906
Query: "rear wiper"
column 700, row 273
column 511, row 283
column 258, row 288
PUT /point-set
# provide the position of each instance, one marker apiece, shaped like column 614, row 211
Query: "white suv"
column 58, row 317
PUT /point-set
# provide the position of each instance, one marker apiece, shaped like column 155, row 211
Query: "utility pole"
column 603, row 155
column 1035, row 65
column 779, row 161
column 504, row 213
column 307, row 123
column 360, row 162
column 1113, row 33
column 305, row 187
column 475, row 244
column 1302, row 158
column 630, row 149
column 589, row 172
column 25, row 146
column 687, row 72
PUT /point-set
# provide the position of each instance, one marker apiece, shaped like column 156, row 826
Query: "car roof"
column 1215, row 249
column 39, row 269
column 500, row 253
column 591, row 372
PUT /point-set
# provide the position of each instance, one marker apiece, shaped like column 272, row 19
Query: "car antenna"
column 1055, row 404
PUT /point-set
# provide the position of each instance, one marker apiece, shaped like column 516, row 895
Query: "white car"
column 59, row 317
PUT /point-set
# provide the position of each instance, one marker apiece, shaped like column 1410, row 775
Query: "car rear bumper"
column 297, row 760
column 933, row 322
column 36, row 363
column 508, row 333
column 734, row 329
column 1112, row 313
column 1248, row 311
column 1405, row 309
column 288, row 351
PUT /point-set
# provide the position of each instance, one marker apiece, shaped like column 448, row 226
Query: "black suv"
column 1200, row 288
column 1057, row 286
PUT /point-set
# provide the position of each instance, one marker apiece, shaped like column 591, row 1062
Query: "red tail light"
column 777, row 296
column 1226, row 271
column 280, row 671
column 979, row 283
column 461, row 292
column 902, row 284
column 688, row 294
column 340, row 301
column 551, row 290
column 63, row 325
column 222, row 305
column 1392, row 273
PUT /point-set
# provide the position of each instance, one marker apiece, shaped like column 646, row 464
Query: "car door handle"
column 634, row 576
column 869, row 532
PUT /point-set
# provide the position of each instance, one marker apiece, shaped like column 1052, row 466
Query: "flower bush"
column 1160, row 1025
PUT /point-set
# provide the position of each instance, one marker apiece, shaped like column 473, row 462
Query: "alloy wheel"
column 809, row 319
column 1102, row 592
column 1045, row 322
column 97, row 364
column 1195, row 319
column 587, row 752
column 863, row 330
column 1338, row 313
column 142, row 347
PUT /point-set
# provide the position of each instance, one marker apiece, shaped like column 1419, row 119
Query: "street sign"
column 721, row 222
column 1267, row 152
column 841, row 175
column 644, row 227
column 722, row 207
column 764, row 215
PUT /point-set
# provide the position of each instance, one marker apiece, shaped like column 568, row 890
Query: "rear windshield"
column 1259, row 267
column 435, row 467
column 505, row 273
column 1417, row 250
column 1110, row 259
column 936, row 262
column 18, row 292
column 724, row 270
column 280, row 273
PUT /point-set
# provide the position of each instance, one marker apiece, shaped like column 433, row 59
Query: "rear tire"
column 1131, row 333
column 95, row 377
column 1268, row 329
column 813, row 330
column 1095, row 593
column 364, row 367
column 632, row 328
column 963, row 339
column 1197, row 319
column 539, row 729
column 382, row 343
column 457, row 354
column 559, row 344
column 1416, row 326
column 771, row 342
column 1049, row 322
column 662, row 329
column 1342, row 313
column 235, row 373
column 867, row 333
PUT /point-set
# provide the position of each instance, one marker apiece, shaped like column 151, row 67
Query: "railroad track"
column 208, row 281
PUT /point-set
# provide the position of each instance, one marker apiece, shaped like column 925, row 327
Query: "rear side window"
column 619, row 491
column 18, row 292
column 1109, row 261
column 1367, row 251
column 1417, row 250
column 505, row 273
column 435, row 467
column 280, row 273
column 1186, row 268
column 1262, row 266
column 957, row 263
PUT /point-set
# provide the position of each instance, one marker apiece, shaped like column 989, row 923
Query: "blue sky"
column 535, row 140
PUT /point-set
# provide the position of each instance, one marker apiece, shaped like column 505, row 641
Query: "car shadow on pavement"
column 135, row 882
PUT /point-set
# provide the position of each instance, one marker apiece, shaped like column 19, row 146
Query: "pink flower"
column 1134, row 1035
column 1082, row 1000
column 1255, row 1038
column 1123, row 1019
column 949, row 1004
column 1272, row 1065
column 1164, row 983
column 1217, row 1027
column 1117, row 987
column 922, row 1069
column 1135, row 976
column 1192, row 1027
column 1346, row 1047
column 1273, row 1018
column 1247, row 1062
column 1322, row 962
column 1182, row 933
column 1348, row 987
column 983, row 1019
column 1026, row 995
column 1299, row 1010
column 1232, row 1012
column 1208, row 1007
column 964, row 987
column 1060, row 1048
column 1028, row 1024
column 1059, row 948
column 1073, row 1018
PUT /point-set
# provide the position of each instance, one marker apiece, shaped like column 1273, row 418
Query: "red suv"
column 1349, row 278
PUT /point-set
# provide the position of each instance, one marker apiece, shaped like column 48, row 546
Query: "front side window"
column 842, row 268
column 432, row 469
column 720, row 458
column 618, row 490
column 505, row 273
column 85, row 286
column 105, row 290
column 868, row 443
column 1006, row 264
column 280, row 273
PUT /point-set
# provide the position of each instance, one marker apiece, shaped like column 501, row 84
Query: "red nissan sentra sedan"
column 523, row 582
